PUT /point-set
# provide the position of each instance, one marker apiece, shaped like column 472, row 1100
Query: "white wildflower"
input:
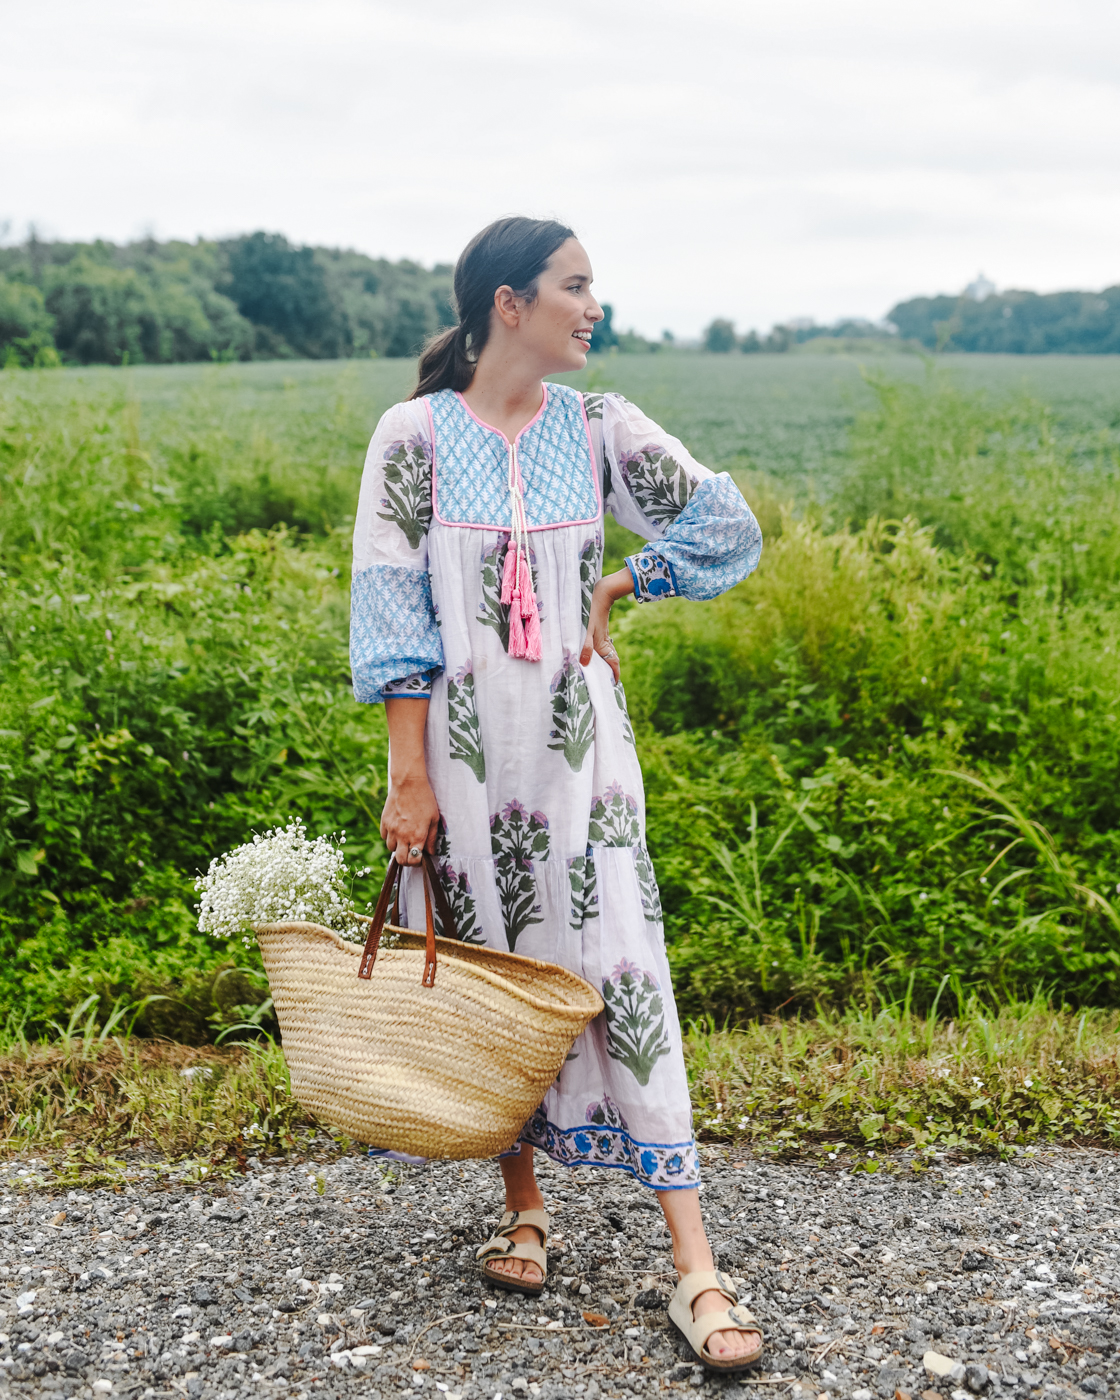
column 279, row 877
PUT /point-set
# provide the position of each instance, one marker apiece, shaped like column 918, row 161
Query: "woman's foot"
column 691, row 1254
column 523, row 1269
column 725, row 1345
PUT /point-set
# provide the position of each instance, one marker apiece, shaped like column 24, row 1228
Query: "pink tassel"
column 532, row 630
column 524, row 619
column 516, row 630
column 513, row 559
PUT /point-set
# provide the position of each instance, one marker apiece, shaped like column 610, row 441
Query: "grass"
column 852, row 1084
column 887, row 760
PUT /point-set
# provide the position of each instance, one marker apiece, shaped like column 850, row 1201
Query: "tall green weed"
column 884, row 766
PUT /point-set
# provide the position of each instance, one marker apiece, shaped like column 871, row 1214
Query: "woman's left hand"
column 607, row 592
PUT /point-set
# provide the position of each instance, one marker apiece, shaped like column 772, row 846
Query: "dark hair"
column 511, row 252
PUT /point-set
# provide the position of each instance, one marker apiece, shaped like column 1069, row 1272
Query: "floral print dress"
column 533, row 764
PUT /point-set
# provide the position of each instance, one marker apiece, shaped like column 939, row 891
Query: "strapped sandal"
column 500, row 1246
column 696, row 1331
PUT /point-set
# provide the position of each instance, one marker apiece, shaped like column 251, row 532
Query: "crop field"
column 883, row 772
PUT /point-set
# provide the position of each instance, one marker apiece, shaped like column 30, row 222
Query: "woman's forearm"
column 411, row 816
column 407, row 718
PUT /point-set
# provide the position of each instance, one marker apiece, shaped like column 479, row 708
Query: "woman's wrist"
column 617, row 585
column 409, row 773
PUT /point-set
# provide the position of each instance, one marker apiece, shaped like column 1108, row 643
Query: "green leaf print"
column 593, row 405
column 620, row 701
column 492, row 611
column 518, row 837
column 614, row 819
column 462, row 722
column 647, row 884
column 460, row 897
column 408, row 484
column 573, row 719
column 585, row 894
column 659, row 484
column 590, row 557
column 635, row 1019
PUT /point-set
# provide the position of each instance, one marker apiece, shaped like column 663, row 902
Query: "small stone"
column 976, row 1377
column 585, row 1290
column 103, row 1387
column 649, row 1298
column 1095, row 1385
column 973, row 1261
column 520, row 1386
column 931, row 1395
column 421, row 1365
column 944, row 1367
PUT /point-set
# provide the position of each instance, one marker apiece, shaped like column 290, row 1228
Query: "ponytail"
column 511, row 252
column 444, row 363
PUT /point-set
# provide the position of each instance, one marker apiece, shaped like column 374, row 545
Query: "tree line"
column 258, row 296
column 252, row 297
column 1010, row 323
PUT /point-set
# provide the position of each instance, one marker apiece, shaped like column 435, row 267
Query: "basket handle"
column 391, row 890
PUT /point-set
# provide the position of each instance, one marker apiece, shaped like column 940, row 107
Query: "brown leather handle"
column 391, row 890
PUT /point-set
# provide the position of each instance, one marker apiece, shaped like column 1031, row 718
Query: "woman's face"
column 556, row 327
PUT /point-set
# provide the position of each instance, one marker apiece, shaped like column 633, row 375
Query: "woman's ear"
column 509, row 306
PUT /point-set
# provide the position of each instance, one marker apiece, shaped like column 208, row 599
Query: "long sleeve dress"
column 532, row 762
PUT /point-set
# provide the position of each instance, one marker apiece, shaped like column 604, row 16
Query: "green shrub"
column 884, row 766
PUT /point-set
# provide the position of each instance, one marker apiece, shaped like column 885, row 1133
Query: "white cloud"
column 717, row 156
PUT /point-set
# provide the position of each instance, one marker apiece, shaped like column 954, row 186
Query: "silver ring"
column 414, row 852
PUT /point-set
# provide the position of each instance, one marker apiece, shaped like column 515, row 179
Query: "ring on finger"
column 414, row 852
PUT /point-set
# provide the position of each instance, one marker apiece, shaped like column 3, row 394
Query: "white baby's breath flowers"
column 277, row 878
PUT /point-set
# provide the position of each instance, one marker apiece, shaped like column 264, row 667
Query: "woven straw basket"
column 381, row 1047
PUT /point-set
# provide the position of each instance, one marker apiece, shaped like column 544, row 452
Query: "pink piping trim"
column 533, row 529
column 432, row 432
column 490, row 429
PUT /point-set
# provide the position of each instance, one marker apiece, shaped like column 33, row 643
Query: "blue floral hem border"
column 662, row 1166
column 652, row 575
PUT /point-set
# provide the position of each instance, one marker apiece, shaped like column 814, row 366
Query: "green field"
column 885, row 768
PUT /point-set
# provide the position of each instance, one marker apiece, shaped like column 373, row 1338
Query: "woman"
column 480, row 618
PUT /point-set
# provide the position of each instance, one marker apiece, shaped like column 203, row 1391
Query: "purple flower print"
column 635, row 1012
column 518, row 837
column 408, row 489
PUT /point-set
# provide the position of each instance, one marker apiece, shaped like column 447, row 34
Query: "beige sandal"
column 697, row 1330
column 500, row 1246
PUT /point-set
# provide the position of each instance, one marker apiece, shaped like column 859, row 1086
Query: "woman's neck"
column 505, row 395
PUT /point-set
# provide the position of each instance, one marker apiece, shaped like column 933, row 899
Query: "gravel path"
column 353, row 1279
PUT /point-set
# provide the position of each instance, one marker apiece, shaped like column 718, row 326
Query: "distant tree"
column 103, row 314
column 26, row 326
column 720, row 338
column 603, row 335
column 285, row 289
column 750, row 343
column 1015, row 322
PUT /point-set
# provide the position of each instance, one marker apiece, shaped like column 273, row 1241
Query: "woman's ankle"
column 524, row 1200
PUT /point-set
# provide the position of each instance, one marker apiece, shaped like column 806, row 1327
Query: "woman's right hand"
column 410, row 818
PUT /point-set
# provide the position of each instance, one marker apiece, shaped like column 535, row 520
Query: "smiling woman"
column 480, row 618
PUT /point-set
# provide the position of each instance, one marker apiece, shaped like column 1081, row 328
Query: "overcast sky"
column 757, row 159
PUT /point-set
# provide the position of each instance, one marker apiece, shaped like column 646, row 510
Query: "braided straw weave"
column 454, row 1069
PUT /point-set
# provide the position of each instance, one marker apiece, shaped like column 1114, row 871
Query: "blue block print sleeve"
column 702, row 537
column 395, row 646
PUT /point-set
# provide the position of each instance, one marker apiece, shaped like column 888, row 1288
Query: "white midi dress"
column 533, row 762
